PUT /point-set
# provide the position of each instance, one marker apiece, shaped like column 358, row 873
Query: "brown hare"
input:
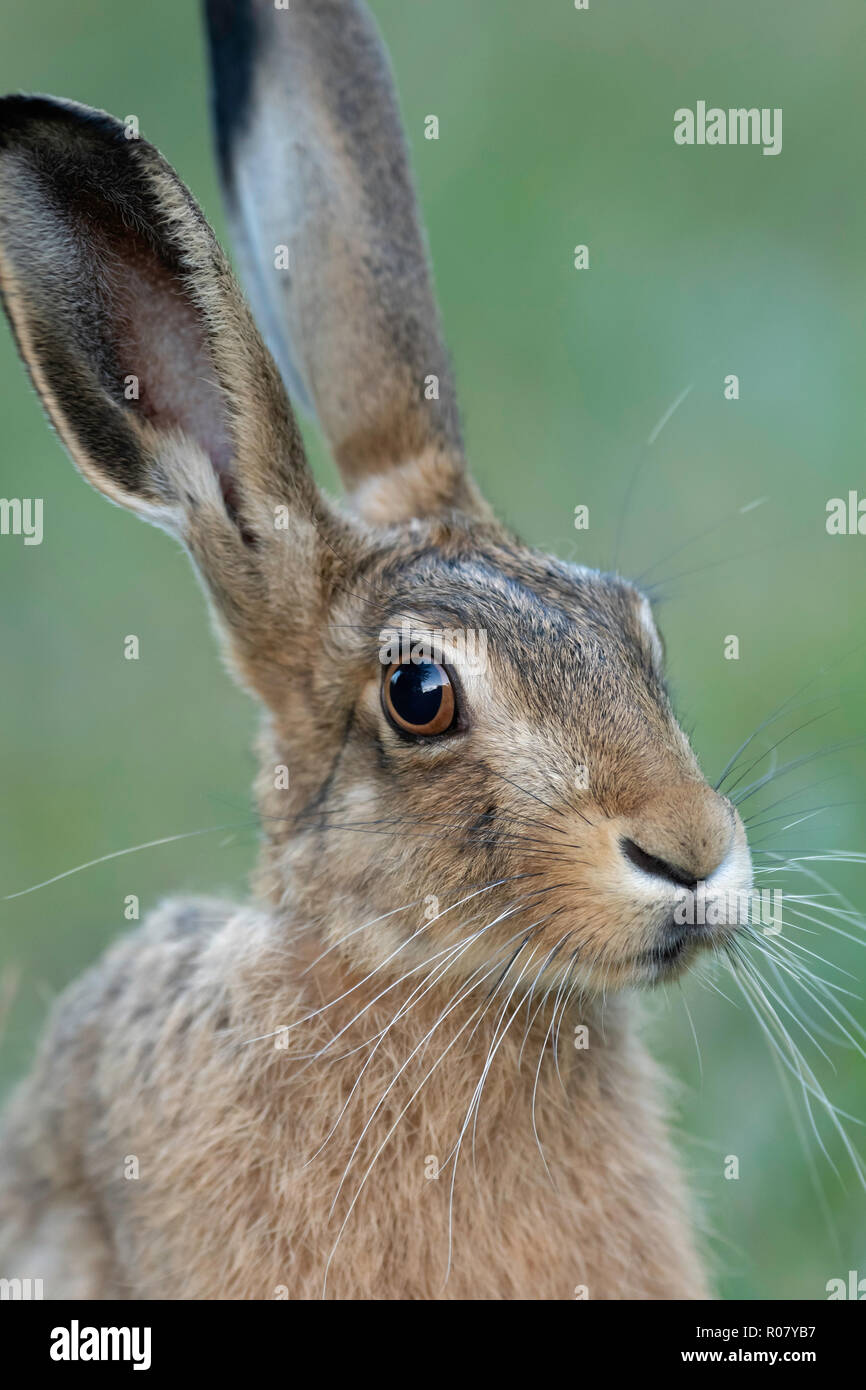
column 413, row 1067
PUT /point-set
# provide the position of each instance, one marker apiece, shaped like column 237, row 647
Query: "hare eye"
column 419, row 698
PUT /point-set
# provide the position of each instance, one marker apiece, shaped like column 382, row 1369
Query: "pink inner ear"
column 158, row 338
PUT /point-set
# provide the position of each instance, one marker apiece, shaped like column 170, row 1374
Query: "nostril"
column 651, row 864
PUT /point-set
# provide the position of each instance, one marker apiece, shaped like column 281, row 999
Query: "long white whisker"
column 474, row 1102
column 466, row 989
column 452, row 954
column 119, row 853
column 372, row 1163
column 381, row 966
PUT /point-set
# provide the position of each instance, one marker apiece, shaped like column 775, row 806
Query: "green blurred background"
column 556, row 128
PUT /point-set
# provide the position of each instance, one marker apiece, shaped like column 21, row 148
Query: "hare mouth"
column 675, row 945
column 667, row 954
column 678, row 944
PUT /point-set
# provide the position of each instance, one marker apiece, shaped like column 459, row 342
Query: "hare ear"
column 314, row 163
column 139, row 342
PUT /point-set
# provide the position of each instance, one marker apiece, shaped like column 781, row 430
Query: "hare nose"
column 681, row 836
column 652, row 864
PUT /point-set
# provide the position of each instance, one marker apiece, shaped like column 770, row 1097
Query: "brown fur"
column 225, row 1206
column 434, row 919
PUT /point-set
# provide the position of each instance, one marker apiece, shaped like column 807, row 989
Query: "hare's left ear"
column 147, row 360
column 315, row 168
column 129, row 319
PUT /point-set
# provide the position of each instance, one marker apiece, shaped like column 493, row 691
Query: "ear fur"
column 147, row 360
column 313, row 159
column 128, row 317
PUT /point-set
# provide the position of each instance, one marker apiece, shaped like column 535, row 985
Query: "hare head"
column 455, row 726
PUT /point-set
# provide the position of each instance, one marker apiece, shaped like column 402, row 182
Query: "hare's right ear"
column 143, row 351
column 315, row 169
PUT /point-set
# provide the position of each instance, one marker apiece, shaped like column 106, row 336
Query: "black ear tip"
column 25, row 115
column 233, row 40
column 222, row 15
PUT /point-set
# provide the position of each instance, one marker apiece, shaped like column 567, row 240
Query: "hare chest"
column 275, row 1162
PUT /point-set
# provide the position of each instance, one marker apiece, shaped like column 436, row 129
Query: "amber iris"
column 419, row 698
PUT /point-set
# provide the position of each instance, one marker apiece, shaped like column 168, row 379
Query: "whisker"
column 453, row 954
column 475, row 1101
column 792, row 765
column 790, row 734
column 119, row 853
column 767, row 1019
column 371, row 1165
column 424, row 926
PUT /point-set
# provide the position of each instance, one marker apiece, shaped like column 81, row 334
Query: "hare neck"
column 533, row 1143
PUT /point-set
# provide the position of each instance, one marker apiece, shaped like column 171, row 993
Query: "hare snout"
column 682, row 836
column 649, row 890
column 689, row 845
